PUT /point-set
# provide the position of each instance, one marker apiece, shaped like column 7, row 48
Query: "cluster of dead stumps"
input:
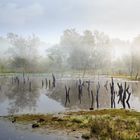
column 47, row 82
column 18, row 80
column 123, row 93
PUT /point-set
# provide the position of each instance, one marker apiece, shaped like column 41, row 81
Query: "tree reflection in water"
column 21, row 99
column 104, row 98
column 19, row 96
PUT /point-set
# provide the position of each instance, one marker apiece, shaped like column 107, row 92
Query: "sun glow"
column 117, row 53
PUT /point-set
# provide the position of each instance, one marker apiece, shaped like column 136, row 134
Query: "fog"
column 87, row 51
column 48, row 19
column 66, row 58
column 92, row 35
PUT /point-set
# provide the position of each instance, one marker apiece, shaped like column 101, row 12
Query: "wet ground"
column 32, row 94
column 9, row 131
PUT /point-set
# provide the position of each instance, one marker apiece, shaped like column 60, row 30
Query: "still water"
column 32, row 94
column 9, row 131
column 17, row 98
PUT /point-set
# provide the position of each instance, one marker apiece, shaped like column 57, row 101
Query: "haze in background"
column 48, row 19
column 43, row 35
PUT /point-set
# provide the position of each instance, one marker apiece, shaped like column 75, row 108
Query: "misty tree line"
column 75, row 51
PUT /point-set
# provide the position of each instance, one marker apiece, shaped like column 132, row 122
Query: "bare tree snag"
column 46, row 83
column 92, row 100
column 88, row 87
column 80, row 90
column 112, row 92
column 120, row 92
column 124, row 96
column 30, row 88
column 67, row 95
column 97, row 94
column 53, row 83
column 129, row 94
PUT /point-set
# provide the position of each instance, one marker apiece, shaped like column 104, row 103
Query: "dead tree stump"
column 124, row 96
column 129, row 94
column 88, row 87
column 53, row 83
column 46, row 83
column 92, row 100
column 30, row 86
column 80, row 90
column 67, row 89
column 120, row 92
column 97, row 94
column 112, row 92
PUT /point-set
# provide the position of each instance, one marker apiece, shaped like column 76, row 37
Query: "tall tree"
column 23, row 51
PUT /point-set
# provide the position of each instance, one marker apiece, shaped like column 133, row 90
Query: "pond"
column 35, row 94
column 31, row 94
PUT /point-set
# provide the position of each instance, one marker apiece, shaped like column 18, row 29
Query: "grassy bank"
column 114, row 124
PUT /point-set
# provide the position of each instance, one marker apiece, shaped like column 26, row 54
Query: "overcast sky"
column 49, row 18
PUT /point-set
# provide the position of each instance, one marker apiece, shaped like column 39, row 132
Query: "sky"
column 49, row 18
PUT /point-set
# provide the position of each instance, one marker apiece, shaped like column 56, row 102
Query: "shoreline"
column 104, row 123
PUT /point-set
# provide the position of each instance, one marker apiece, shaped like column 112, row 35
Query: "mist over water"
column 16, row 99
column 59, row 56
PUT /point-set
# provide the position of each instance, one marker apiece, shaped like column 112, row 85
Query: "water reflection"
column 18, row 97
column 29, row 96
column 104, row 93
